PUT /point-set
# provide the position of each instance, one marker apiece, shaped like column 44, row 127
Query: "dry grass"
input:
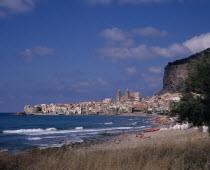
column 188, row 155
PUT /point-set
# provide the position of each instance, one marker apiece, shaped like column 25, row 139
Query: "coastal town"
column 131, row 102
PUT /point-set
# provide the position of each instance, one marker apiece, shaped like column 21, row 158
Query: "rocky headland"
column 176, row 72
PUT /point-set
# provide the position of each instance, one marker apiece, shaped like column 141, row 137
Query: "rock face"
column 176, row 72
column 174, row 77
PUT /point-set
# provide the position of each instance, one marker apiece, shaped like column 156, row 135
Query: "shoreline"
column 105, row 137
column 99, row 138
column 172, row 149
column 130, row 140
column 123, row 114
column 162, row 149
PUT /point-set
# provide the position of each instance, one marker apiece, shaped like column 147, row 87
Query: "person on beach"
column 141, row 135
column 123, row 132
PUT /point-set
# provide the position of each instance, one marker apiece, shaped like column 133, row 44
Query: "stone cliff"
column 176, row 72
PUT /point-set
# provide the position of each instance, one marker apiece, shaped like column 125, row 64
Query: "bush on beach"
column 194, row 105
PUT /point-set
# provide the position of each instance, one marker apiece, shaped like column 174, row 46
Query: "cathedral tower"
column 118, row 96
column 127, row 95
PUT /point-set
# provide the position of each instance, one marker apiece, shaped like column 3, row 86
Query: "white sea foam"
column 3, row 150
column 28, row 131
column 51, row 131
column 134, row 123
column 108, row 123
column 35, row 138
column 47, row 137
column 79, row 127
column 51, row 137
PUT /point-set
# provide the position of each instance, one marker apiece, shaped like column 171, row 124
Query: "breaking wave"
column 108, row 123
column 77, row 130
column 28, row 131
column 134, row 123
column 36, row 138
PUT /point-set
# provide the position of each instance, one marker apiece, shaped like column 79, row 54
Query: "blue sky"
column 54, row 51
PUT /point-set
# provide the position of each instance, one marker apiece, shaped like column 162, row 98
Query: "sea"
column 22, row 133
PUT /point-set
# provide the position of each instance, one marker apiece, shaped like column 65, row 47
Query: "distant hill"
column 176, row 72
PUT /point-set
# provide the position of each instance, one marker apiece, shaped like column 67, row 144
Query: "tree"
column 194, row 106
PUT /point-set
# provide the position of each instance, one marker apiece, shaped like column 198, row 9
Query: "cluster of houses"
column 129, row 103
column 161, row 103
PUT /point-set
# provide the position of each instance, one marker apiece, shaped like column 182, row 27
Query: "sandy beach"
column 141, row 139
column 149, row 139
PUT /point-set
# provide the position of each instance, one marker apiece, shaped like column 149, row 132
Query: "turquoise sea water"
column 20, row 133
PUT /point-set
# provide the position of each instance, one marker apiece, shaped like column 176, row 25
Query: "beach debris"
column 151, row 130
column 108, row 134
column 4, row 150
column 117, row 141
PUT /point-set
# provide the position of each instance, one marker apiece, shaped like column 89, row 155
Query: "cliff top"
column 192, row 57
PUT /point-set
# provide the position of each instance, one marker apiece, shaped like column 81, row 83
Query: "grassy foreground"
column 188, row 155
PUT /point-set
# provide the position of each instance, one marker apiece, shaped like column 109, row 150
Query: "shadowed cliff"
column 176, row 72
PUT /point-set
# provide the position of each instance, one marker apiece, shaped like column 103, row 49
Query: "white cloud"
column 98, row 81
column 139, row 52
column 155, row 69
column 198, row 43
column 11, row 7
column 117, row 34
column 43, row 51
column 173, row 50
column 150, row 31
column 126, row 38
column 131, row 70
column 114, row 34
column 101, row 81
column 28, row 53
column 188, row 47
